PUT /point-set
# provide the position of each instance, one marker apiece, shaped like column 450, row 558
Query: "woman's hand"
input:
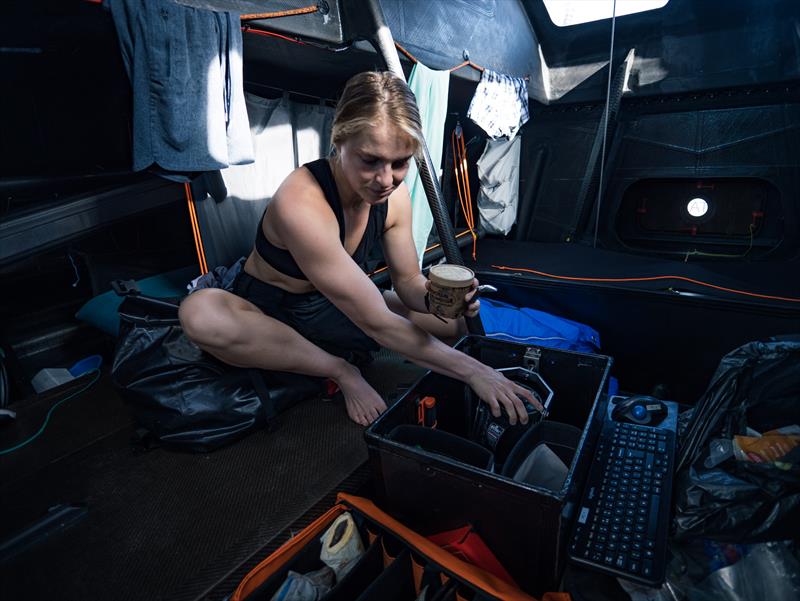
column 473, row 306
column 501, row 394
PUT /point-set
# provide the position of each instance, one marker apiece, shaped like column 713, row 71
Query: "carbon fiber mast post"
column 375, row 29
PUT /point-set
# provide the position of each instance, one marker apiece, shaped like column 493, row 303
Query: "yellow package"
column 767, row 448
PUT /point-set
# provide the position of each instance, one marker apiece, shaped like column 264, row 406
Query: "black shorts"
column 312, row 315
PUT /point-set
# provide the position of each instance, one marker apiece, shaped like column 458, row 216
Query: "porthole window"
column 697, row 207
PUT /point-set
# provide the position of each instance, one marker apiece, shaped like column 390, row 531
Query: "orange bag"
column 460, row 579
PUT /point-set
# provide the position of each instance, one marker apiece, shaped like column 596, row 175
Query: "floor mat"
column 157, row 519
column 164, row 524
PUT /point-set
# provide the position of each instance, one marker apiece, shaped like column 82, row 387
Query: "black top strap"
column 283, row 261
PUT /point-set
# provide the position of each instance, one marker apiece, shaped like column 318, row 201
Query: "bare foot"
column 364, row 405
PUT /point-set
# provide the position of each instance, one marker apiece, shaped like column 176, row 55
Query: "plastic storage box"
column 435, row 486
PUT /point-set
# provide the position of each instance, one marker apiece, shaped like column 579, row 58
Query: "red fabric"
column 465, row 544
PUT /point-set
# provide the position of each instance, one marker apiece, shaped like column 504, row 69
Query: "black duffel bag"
column 182, row 395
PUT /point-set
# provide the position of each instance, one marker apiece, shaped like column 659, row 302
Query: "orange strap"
column 198, row 240
column 653, row 278
column 281, row 13
column 462, row 183
column 261, row 573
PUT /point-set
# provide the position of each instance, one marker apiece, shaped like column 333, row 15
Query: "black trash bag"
column 756, row 385
column 185, row 397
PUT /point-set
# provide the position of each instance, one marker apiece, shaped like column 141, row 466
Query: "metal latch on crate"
column 531, row 358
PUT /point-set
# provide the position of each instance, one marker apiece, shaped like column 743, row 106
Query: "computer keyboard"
column 623, row 520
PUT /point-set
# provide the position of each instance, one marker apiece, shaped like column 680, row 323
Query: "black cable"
column 4, row 390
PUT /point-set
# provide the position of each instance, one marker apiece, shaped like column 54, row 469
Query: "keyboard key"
column 652, row 525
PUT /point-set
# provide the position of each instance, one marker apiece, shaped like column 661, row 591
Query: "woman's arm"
column 312, row 238
column 401, row 256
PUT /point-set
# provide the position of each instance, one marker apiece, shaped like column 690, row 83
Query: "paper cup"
column 449, row 285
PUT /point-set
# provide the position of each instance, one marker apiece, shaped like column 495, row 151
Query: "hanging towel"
column 500, row 104
column 185, row 67
column 498, row 172
column 431, row 89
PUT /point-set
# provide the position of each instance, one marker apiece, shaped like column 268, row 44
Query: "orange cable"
column 431, row 247
column 468, row 195
column 462, row 186
column 198, row 241
column 195, row 230
column 247, row 29
column 650, row 279
column 281, row 13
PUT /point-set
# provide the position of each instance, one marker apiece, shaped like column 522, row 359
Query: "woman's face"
column 375, row 161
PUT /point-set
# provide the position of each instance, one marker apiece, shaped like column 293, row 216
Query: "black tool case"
column 435, row 490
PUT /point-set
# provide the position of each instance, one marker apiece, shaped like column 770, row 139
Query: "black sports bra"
column 283, row 261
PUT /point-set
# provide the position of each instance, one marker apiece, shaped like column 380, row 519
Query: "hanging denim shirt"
column 185, row 67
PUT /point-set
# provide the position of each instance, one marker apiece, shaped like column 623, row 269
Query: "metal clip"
column 532, row 357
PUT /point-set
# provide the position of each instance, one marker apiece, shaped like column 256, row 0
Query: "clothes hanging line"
column 295, row 40
column 256, row 84
column 281, row 13
column 466, row 63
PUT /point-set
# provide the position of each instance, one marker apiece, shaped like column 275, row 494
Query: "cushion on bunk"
column 102, row 310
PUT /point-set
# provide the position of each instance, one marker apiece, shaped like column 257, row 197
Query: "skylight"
column 572, row 12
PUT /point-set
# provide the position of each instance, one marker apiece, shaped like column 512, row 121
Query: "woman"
column 303, row 301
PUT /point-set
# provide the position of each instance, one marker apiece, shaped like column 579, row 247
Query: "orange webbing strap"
column 462, row 183
column 198, row 239
column 281, row 13
column 466, row 572
column 277, row 560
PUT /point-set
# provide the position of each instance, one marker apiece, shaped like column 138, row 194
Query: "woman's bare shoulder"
column 399, row 209
column 300, row 196
column 300, row 183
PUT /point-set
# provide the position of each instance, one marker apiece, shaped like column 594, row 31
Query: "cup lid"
column 447, row 274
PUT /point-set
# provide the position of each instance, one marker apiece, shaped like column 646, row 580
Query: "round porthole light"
column 697, row 207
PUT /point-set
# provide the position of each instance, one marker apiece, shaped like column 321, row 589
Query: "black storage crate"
column 525, row 526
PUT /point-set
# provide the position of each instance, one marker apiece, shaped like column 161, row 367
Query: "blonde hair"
column 373, row 97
